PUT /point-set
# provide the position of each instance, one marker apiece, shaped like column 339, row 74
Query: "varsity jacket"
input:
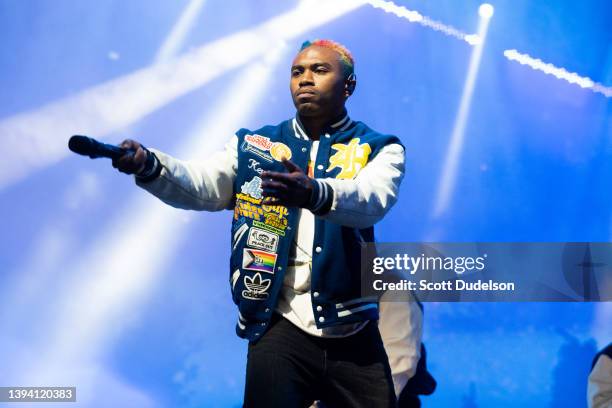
column 262, row 235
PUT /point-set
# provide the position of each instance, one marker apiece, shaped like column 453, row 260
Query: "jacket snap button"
column 321, row 319
column 318, row 249
column 320, row 167
column 304, row 149
column 315, row 294
column 319, row 308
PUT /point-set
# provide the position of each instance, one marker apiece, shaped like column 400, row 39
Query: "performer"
column 305, row 194
column 599, row 390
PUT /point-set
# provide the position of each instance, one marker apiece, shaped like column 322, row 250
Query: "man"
column 599, row 390
column 305, row 194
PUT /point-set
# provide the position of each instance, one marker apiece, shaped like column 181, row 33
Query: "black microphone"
column 88, row 146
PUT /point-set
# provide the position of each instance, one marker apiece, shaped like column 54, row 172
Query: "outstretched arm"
column 194, row 185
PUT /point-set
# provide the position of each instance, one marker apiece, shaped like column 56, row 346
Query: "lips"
column 305, row 93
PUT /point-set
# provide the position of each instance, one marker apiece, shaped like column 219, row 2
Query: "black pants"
column 290, row 368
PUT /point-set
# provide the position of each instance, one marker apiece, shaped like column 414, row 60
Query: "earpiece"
column 350, row 83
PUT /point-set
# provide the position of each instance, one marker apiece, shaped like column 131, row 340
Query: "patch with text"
column 256, row 260
column 262, row 239
column 256, row 287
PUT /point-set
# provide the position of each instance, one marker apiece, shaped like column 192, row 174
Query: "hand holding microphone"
column 130, row 157
column 134, row 161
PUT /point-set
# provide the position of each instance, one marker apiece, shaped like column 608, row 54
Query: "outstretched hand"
column 131, row 163
column 292, row 189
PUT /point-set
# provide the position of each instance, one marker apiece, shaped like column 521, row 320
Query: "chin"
column 308, row 109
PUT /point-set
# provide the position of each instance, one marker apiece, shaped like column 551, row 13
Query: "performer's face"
column 318, row 82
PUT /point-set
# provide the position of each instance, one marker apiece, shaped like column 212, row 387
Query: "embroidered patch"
column 259, row 146
column 350, row 158
column 256, row 287
column 255, row 166
column 253, row 188
column 258, row 141
column 275, row 220
column 262, row 154
column 256, row 260
column 274, row 230
column 266, row 149
column 262, row 239
column 280, row 151
column 269, row 217
column 247, row 207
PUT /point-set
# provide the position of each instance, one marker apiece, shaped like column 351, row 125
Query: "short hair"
column 346, row 58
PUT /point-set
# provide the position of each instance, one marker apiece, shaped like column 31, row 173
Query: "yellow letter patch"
column 350, row 158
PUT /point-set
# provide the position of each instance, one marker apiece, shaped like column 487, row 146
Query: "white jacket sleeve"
column 600, row 384
column 364, row 200
column 401, row 330
column 196, row 185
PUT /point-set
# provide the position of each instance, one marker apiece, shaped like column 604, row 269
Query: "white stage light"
column 176, row 38
column 485, row 10
column 600, row 329
column 453, row 154
column 126, row 262
column 416, row 17
column 559, row 73
column 39, row 138
column 107, row 285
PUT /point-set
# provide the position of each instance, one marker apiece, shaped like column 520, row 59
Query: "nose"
column 306, row 78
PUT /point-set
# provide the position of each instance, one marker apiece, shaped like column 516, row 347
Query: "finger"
column 282, row 200
column 285, row 178
column 271, row 200
column 125, row 160
column 273, row 185
column 267, row 174
column 140, row 156
column 126, row 144
column 273, row 193
column 291, row 166
column 126, row 163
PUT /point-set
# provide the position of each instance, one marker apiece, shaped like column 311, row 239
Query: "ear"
column 349, row 85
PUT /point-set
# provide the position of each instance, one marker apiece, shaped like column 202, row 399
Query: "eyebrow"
column 314, row 65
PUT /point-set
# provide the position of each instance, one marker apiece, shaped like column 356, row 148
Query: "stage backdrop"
column 104, row 288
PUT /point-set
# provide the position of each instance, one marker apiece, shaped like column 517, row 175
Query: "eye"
column 296, row 72
column 321, row 70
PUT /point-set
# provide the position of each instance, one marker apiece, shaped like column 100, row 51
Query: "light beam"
column 38, row 138
column 451, row 162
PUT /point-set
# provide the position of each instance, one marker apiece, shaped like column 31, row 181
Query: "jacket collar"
column 338, row 126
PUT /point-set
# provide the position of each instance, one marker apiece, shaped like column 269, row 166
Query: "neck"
column 314, row 125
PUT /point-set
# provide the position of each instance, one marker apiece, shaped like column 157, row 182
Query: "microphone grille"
column 80, row 144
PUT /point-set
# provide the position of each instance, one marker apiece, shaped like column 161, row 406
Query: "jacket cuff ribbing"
column 322, row 197
column 152, row 168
